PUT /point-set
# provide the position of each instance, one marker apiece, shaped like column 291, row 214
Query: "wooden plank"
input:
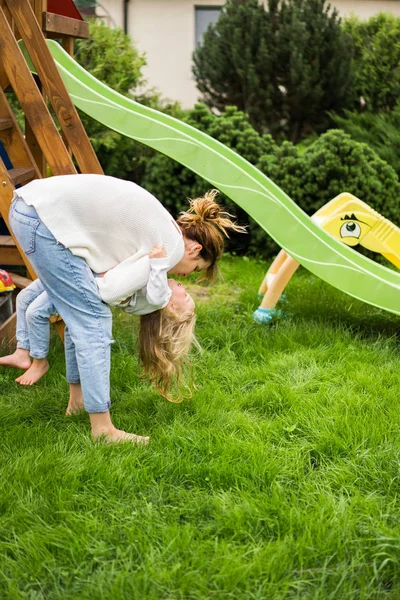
column 6, row 194
column 35, row 150
column 8, row 329
column 32, row 102
column 54, row 87
column 21, row 175
column 52, row 23
column 5, row 124
column 39, row 7
column 7, row 240
column 14, row 140
column 11, row 256
column 68, row 45
column 20, row 281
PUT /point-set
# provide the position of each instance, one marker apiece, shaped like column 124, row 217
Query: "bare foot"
column 38, row 368
column 117, row 436
column 75, row 404
column 102, row 428
column 19, row 360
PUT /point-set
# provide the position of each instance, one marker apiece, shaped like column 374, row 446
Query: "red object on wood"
column 66, row 8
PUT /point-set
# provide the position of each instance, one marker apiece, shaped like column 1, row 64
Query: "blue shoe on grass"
column 266, row 315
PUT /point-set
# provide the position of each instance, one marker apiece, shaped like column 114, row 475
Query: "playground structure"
column 66, row 85
column 349, row 220
column 25, row 157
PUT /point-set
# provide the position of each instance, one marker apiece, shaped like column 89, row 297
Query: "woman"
column 72, row 226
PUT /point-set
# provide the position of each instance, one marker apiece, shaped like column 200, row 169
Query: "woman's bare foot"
column 75, row 404
column 38, row 368
column 19, row 360
column 117, row 436
column 102, row 428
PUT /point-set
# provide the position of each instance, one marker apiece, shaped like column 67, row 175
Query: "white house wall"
column 165, row 31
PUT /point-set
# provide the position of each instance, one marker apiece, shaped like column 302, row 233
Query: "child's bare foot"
column 75, row 404
column 38, row 368
column 19, row 360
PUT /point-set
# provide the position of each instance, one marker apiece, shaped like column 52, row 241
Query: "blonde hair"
column 165, row 338
column 207, row 223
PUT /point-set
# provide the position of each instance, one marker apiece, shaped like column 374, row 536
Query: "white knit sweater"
column 111, row 223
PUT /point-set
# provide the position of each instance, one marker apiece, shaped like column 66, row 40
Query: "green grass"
column 278, row 480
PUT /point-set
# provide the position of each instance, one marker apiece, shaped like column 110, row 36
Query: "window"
column 204, row 15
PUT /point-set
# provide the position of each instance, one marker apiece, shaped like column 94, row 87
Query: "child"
column 34, row 309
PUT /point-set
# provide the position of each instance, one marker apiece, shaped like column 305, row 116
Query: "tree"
column 110, row 56
column 380, row 130
column 285, row 66
column 376, row 58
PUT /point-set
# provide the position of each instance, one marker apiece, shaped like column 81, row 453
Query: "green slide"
column 264, row 201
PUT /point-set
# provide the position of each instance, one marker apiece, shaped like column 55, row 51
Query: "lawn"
column 278, row 480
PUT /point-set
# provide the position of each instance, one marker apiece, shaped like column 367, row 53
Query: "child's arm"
column 158, row 292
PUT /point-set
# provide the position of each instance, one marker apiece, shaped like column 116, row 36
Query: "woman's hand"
column 157, row 252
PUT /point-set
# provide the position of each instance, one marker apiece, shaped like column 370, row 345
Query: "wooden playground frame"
column 59, row 145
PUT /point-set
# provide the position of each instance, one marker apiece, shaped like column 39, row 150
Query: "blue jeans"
column 72, row 289
column 34, row 308
column 33, row 312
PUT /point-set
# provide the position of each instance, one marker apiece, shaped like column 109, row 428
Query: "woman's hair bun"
column 206, row 208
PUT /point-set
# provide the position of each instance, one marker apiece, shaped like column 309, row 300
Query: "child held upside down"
column 166, row 299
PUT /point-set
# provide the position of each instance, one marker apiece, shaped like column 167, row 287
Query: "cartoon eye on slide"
column 350, row 229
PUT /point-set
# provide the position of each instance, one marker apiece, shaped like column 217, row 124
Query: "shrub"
column 376, row 60
column 285, row 66
column 174, row 184
column 110, row 56
column 380, row 131
column 333, row 164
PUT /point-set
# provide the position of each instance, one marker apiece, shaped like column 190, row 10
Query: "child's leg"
column 273, row 270
column 20, row 358
column 38, row 325
column 279, row 283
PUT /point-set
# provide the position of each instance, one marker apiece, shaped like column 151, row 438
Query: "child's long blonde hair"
column 207, row 223
column 165, row 338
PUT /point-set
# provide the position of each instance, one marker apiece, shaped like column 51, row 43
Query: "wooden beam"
column 20, row 281
column 39, row 7
column 8, row 328
column 52, row 23
column 32, row 102
column 68, row 45
column 7, row 191
column 53, row 86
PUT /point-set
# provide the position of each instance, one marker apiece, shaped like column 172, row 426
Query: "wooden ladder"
column 21, row 166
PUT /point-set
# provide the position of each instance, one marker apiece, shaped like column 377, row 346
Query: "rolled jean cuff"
column 97, row 408
column 23, row 345
column 38, row 355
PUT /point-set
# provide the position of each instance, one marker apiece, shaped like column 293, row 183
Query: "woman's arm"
column 124, row 280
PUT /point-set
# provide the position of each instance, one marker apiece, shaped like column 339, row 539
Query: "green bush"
column 110, row 56
column 333, row 164
column 381, row 131
column 376, row 60
column 285, row 65
column 174, row 184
